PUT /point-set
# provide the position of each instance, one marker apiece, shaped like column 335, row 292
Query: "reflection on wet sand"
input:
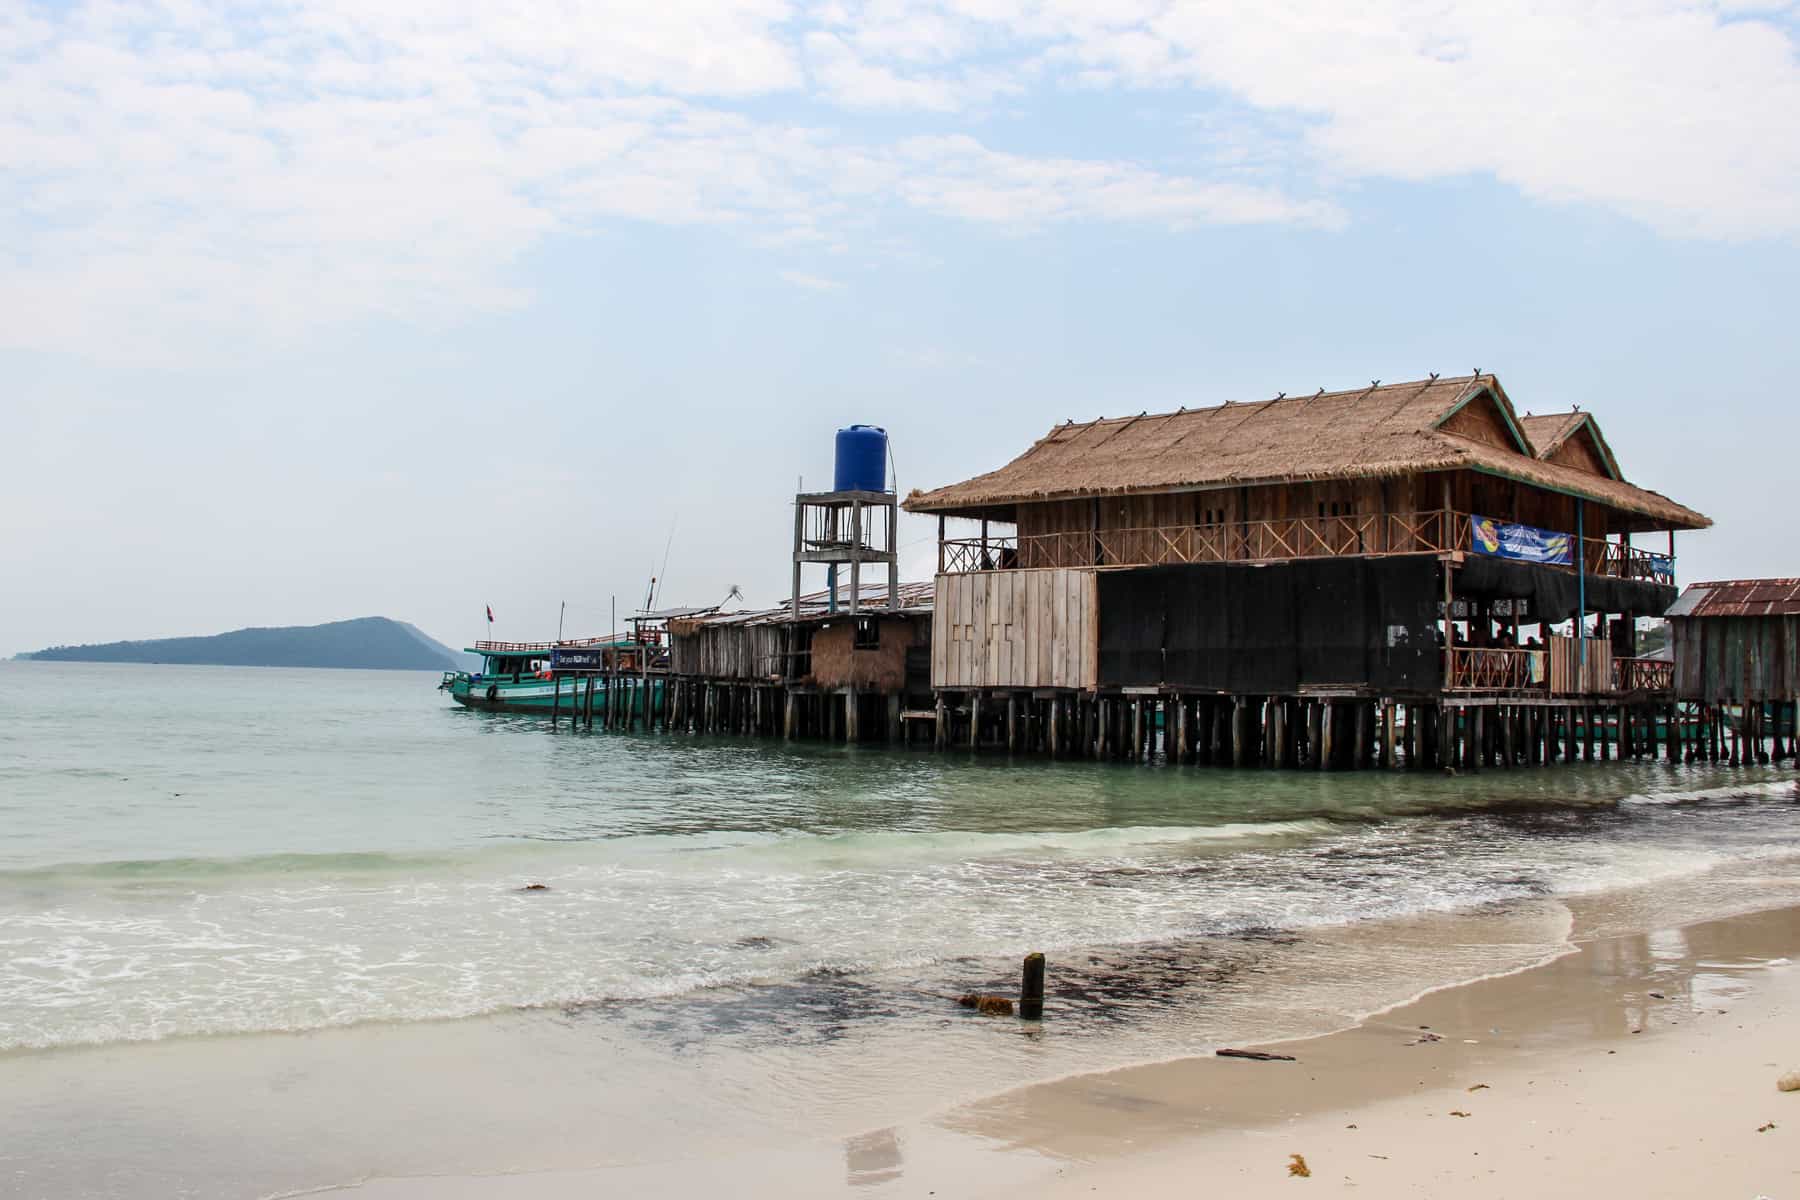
column 872, row 1158
column 1610, row 988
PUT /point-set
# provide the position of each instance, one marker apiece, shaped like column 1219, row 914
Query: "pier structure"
column 847, row 665
column 1735, row 655
column 1402, row 574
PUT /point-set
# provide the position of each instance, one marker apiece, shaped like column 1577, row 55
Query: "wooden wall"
column 1480, row 421
column 715, row 651
column 1579, row 452
column 1574, row 674
column 1736, row 659
column 1015, row 629
column 836, row 662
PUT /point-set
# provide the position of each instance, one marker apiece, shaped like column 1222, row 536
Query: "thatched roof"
column 1549, row 431
column 1371, row 432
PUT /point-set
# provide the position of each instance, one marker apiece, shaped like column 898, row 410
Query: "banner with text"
column 1524, row 542
column 583, row 658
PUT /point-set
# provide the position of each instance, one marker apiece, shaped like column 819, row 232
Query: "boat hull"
column 534, row 695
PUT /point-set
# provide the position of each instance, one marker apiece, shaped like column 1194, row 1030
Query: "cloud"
column 1674, row 112
column 960, row 177
column 812, row 283
column 191, row 172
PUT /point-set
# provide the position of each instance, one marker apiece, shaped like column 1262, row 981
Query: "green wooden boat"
column 544, row 677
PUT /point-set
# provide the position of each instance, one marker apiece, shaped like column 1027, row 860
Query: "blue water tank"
column 861, row 459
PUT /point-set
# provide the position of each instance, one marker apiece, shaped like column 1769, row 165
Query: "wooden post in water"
column 1031, row 988
column 1326, row 739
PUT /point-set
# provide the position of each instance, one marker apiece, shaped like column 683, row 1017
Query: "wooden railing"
column 1434, row 532
column 537, row 647
column 1236, row 541
column 1496, row 669
column 1643, row 675
column 1620, row 561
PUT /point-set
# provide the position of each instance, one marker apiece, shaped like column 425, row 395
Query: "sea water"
column 199, row 865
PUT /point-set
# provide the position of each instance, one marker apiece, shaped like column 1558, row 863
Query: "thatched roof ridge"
column 1371, row 432
column 1549, row 431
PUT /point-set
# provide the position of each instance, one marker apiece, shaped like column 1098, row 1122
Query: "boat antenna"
column 667, row 546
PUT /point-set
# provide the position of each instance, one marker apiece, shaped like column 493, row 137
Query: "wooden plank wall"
column 1567, row 675
column 726, row 651
column 1736, row 659
column 1015, row 629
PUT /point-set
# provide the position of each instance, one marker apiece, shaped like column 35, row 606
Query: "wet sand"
column 1640, row 1063
column 1644, row 1065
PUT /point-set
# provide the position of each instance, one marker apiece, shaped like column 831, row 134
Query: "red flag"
column 490, row 609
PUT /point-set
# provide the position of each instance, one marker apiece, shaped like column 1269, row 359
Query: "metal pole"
column 1581, row 592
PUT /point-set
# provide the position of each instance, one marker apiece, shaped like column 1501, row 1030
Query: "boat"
column 545, row 677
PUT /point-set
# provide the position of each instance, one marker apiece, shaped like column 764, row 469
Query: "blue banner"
column 1524, row 542
column 1662, row 569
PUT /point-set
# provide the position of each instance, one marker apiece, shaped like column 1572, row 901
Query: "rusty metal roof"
column 1740, row 598
column 915, row 600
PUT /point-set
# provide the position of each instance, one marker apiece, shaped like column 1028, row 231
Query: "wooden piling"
column 1237, row 732
column 1031, row 988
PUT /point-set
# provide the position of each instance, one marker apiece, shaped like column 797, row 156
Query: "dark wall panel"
column 1271, row 629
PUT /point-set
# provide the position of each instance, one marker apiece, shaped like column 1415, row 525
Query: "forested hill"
column 371, row 642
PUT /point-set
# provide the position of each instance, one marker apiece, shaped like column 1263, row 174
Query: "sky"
column 322, row 310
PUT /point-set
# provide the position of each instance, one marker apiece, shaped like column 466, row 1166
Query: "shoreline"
column 1580, row 1074
column 1652, row 1067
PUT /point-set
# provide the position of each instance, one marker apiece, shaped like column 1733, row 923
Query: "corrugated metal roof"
column 1740, row 598
column 669, row 614
column 915, row 598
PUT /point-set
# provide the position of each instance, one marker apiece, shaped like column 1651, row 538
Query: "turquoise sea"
column 264, row 931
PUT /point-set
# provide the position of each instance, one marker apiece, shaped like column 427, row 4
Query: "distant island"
column 377, row 643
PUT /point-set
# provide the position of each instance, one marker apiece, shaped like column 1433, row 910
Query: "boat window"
column 868, row 634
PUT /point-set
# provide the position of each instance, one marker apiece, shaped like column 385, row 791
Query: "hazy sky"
column 312, row 311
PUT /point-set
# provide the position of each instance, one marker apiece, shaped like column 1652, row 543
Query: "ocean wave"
column 1743, row 793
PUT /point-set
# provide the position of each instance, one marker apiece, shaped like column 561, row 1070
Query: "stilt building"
column 1399, row 573
column 1737, row 658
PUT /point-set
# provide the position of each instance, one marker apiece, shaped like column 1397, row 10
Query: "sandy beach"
column 1642, row 1063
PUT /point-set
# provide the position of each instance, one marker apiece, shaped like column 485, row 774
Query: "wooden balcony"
column 1560, row 669
column 1643, row 675
column 1361, row 535
column 1498, row 669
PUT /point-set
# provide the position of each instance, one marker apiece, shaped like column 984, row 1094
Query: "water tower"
column 854, row 523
